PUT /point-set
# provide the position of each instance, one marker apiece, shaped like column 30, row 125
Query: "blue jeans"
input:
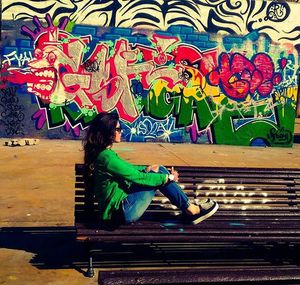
column 140, row 197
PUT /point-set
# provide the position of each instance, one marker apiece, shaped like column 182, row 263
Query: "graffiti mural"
column 235, row 82
column 202, row 89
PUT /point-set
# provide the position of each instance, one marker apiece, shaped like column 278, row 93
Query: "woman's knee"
column 163, row 169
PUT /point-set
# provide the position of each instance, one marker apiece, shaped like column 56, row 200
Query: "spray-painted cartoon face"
column 54, row 70
column 54, row 75
column 43, row 78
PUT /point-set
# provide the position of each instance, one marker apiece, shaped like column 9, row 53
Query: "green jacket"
column 113, row 178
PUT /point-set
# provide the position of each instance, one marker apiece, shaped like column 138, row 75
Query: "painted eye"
column 51, row 57
column 38, row 54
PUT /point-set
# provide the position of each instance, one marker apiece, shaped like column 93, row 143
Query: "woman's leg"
column 177, row 197
column 139, row 199
column 174, row 193
column 137, row 202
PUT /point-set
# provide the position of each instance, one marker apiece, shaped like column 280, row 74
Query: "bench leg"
column 90, row 271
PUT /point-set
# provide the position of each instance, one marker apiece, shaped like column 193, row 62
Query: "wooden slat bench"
column 257, row 206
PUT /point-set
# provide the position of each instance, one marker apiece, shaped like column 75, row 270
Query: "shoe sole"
column 201, row 219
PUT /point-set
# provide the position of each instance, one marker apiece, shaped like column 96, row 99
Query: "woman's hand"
column 175, row 173
column 154, row 168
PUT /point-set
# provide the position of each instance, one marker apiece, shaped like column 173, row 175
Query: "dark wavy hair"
column 100, row 134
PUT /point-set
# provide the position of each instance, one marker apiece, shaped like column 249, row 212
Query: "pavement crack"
column 177, row 156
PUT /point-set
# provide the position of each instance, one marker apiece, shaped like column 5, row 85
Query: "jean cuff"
column 188, row 203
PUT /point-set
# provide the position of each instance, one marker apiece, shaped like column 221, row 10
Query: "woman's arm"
column 155, row 168
column 110, row 162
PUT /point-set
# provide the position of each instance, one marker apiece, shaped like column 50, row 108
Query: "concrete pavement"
column 37, row 199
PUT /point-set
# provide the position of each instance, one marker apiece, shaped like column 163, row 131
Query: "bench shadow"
column 53, row 247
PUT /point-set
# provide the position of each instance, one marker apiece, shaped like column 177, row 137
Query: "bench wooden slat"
column 262, row 181
column 213, row 275
column 226, row 176
column 234, row 189
column 233, row 218
column 281, row 198
column 226, row 208
column 172, row 228
column 289, row 172
column 192, row 238
column 222, row 170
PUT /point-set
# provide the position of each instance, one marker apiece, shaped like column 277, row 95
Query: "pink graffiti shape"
column 228, row 76
column 40, row 118
column 193, row 131
column 264, row 64
column 238, row 76
column 75, row 131
column 67, row 127
column 277, row 79
column 283, row 63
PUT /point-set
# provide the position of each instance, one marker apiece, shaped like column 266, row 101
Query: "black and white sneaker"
column 202, row 201
column 207, row 209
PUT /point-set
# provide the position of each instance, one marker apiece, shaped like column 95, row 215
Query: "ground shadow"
column 53, row 247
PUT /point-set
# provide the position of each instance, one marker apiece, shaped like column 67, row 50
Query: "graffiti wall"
column 219, row 72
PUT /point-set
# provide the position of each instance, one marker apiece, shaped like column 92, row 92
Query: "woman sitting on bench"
column 126, row 190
